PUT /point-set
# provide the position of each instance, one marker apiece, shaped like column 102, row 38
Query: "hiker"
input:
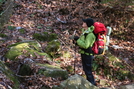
column 85, row 43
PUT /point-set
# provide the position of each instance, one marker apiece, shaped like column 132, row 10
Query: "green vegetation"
column 25, row 70
column 24, row 48
column 22, row 30
column 9, row 74
column 45, row 36
column 52, row 71
column 52, row 48
column 3, row 35
column 11, row 28
column 112, row 67
column 70, row 69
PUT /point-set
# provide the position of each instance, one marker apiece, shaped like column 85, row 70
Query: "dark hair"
column 88, row 21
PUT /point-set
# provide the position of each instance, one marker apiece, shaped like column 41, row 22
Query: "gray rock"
column 75, row 82
column 25, row 48
column 52, row 71
column 127, row 87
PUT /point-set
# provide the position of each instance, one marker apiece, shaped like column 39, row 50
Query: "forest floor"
column 63, row 18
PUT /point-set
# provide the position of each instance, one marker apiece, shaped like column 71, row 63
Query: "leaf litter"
column 64, row 17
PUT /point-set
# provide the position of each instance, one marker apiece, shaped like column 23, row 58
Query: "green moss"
column 35, row 45
column 49, row 66
column 3, row 35
column 22, row 31
column 118, row 64
column 14, row 44
column 52, row 71
column 25, row 70
column 46, row 55
column 39, row 37
column 52, row 48
column 9, row 75
column 70, row 69
column 111, row 67
column 106, row 71
column 95, row 65
column 24, row 48
column 52, row 36
column 48, row 26
column 111, row 57
column 56, row 74
column 39, row 27
column 45, row 36
column 122, row 74
column 16, row 51
column 66, row 54
column 11, row 28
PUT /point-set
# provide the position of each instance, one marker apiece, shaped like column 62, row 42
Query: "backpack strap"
column 105, row 44
column 87, row 51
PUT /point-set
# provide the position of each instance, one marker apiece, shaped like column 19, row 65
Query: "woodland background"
column 63, row 18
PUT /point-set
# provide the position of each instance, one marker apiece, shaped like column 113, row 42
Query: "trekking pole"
column 75, row 58
column 75, row 52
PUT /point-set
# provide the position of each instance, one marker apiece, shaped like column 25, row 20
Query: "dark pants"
column 87, row 67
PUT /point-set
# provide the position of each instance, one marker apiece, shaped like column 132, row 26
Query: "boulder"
column 75, row 82
column 127, row 87
column 7, row 78
column 25, row 70
column 25, row 48
column 52, row 71
column 43, row 69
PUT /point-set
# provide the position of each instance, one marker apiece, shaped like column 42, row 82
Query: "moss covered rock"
column 52, row 71
column 25, row 70
column 3, row 35
column 8, row 77
column 25, row 48
column 112, row 67
column 75, row 82
column 45, row 36
column 52, row 48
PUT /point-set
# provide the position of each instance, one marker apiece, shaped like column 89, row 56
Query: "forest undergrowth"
column 64, row 17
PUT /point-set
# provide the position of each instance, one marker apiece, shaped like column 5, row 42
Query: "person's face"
column 84, row 25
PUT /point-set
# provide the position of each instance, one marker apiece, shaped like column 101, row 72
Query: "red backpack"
column 100, row 33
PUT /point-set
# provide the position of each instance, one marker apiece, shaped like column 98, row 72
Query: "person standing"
column 85, row 43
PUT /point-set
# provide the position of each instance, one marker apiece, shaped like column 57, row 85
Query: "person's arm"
column 86, row 41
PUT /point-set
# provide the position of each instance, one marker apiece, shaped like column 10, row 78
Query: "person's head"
column 87, row 22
